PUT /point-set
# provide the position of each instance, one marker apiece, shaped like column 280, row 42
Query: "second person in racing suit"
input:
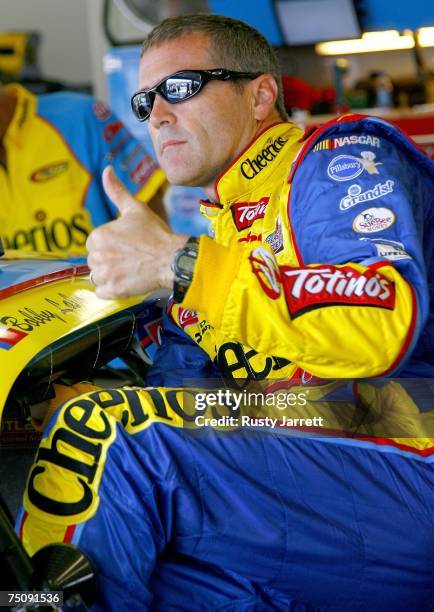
column 53, row 149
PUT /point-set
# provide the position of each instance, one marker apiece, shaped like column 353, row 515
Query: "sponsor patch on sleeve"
column 306, row 289
column 266, row 269
column 372, row 220
column 391, row 252
column 275, row 239
column 355, row 195
column 341, row 141
column 348, row 167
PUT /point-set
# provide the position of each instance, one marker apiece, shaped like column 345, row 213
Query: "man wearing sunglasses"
column 316, row 271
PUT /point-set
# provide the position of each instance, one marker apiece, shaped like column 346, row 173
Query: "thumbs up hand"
column 132, row 254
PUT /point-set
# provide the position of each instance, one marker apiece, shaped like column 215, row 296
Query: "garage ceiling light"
column 426, row 37
column 388, row 40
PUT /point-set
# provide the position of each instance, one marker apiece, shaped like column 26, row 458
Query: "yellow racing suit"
column 317, row 266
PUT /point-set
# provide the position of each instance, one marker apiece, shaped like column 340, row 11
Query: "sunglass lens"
column 179, row 88
column 142, row 105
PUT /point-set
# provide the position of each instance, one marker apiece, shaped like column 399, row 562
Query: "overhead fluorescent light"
column 388, row 40
column 425, row 37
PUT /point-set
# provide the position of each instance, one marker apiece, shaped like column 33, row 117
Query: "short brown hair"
column 234, row 44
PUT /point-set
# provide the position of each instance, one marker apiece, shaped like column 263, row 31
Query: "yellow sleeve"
column 331, row 320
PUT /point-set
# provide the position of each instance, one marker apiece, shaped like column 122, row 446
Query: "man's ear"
column 264, row 89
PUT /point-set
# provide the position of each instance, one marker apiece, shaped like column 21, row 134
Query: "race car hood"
column 42, row 299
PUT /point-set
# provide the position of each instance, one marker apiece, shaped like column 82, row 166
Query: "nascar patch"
column 354, row 139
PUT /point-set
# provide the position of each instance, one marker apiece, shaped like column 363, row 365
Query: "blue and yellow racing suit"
column 57, row 146
column 320, row 267
column 312, row 258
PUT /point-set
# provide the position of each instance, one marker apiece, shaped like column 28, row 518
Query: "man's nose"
column 162, row 112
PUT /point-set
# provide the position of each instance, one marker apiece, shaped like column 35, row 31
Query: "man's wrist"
column 169, row 247
column 183, row 265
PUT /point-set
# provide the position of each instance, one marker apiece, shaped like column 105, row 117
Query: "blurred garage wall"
column 72, row 38
column 64, row 52
column 123, row 29
column 73, row 45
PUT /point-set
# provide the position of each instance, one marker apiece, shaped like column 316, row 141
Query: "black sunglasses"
column 181, row 86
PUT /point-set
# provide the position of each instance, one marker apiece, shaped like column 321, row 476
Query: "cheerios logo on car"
column 373, row 220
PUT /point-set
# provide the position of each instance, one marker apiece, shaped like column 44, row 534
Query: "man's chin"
column 181, row 180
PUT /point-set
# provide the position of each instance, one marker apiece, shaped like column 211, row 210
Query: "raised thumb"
column 118, row 194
